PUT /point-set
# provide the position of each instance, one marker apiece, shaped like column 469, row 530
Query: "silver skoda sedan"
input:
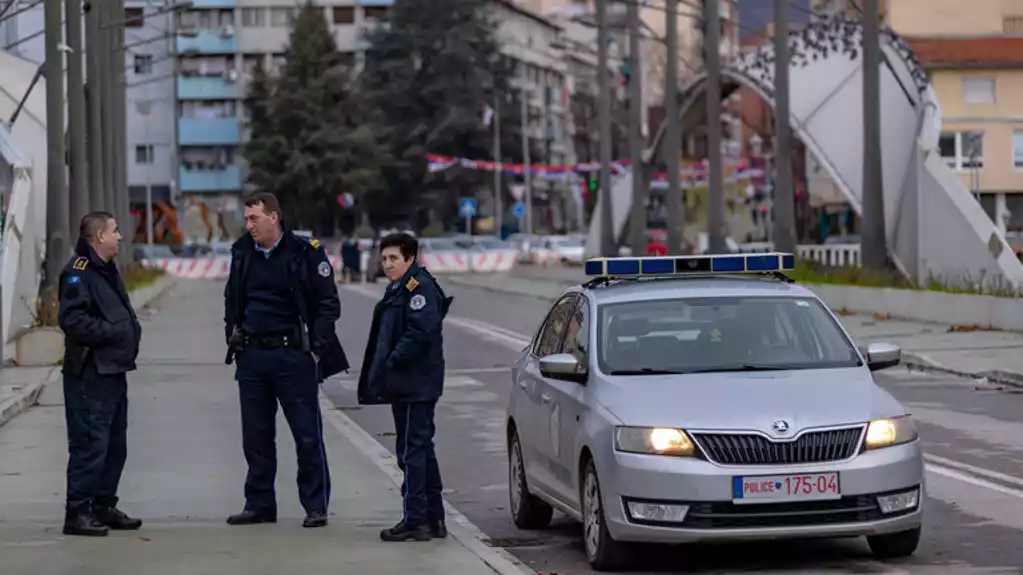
column 704, row 407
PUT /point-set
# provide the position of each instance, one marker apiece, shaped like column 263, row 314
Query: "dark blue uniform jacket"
column 100, row 326
column 404, row 361
column 317, row 304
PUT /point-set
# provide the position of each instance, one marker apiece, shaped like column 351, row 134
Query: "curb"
column 924, row 363
column 469, row 536
column 150, row 294
column 25, row 398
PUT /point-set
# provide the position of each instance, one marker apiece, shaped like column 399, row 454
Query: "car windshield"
column 720, row 334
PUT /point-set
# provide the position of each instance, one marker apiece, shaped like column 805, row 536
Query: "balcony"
column 208, row 131
column 224, row 180
column 210, row 87
column 221, row 41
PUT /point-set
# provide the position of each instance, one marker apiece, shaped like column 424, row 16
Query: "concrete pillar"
column 1001, row 213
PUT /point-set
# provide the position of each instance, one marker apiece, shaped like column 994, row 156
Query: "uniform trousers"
column 96, row 412
column 421, row 489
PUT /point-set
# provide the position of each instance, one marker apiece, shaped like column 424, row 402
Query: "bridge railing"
column 835, row 255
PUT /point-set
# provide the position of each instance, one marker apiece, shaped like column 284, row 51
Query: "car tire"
column 603, row 552
column 528, row 511
column 894, row 545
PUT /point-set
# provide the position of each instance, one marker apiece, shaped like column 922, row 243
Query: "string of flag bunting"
column 691, row 173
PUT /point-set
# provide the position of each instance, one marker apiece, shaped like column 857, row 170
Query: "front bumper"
column 706, row 489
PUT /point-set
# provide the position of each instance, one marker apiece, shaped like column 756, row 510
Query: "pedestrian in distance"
column 404, row 366
column 280, row 307
column 101, row 342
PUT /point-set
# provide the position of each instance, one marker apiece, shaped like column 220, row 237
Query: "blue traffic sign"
column 467, row 207
column 519, row 209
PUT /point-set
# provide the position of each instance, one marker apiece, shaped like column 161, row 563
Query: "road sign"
column 519, row 209
column 467, row 207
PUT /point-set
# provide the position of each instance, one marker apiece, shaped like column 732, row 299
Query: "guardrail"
column 837, row 255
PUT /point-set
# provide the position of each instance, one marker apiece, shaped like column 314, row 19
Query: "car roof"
column 671, row 288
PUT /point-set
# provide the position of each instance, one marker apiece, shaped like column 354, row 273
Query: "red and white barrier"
column 446, row 262
column 494, row 261
column 542, row 257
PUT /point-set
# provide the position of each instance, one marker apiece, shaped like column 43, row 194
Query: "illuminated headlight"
column 899, row 501
column 657, row 512
column 889, row 432
column 653, row 441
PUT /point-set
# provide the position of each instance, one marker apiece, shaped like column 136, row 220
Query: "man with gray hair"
column 101, row 342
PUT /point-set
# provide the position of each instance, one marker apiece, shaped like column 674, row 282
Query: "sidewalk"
column 995, row 355
column 185, row 475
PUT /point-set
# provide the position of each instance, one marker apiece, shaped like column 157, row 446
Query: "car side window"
column 576, row 340
column 554, row 327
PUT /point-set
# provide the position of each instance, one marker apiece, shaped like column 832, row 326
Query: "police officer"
column 101, row 342
column 281, row 303
column 404, row 366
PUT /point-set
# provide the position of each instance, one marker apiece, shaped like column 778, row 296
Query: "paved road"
column 974, row 520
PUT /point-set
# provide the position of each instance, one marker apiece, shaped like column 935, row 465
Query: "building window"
column 979, row 90
column 1012, row 24
column 134, row 18
column 280, row 17
column 144, row 154
column 962, row 150
column 143, row 64
column 1017, row 149
column 253, row 17
column 344, row 15
column 379, row 13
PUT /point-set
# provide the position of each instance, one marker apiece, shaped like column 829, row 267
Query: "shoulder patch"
column 411, row 284
column 73, row 279
column 314, row 242
column 80, row 263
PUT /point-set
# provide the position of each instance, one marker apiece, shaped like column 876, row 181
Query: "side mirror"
column 883, row 355
column 561, row 366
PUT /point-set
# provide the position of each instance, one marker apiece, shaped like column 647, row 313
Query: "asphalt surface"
column 973, row 438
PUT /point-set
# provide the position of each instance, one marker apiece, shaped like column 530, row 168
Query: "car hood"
column 748, row 401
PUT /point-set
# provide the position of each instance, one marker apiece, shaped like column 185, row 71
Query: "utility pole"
column 498, row 203
column 874, row 248
column 784, row 201
column 607, row 243
column 673, row 131
column 58, row 247
column 715, row 186
column 527, row 172
column 76, row 116
column 637, row 225
column 106, row 92
column 120, row 121
column 93, row 62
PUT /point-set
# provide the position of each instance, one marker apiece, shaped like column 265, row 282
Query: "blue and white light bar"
column 690, row 265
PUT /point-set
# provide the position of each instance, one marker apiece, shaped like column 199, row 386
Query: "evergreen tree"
column 427, row 76
column 321, row 146
column 264, row 149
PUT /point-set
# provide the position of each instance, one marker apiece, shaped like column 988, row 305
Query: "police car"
column 686, row 399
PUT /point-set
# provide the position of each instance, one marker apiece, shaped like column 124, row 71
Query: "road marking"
column 964, row 477
column 459, row 526
column 354, row 374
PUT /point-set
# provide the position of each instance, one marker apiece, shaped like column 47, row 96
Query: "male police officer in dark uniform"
column 281, row 303
column 404, row 366
column 101, row 342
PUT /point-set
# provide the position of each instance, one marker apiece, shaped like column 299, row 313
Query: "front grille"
column 724, row 515
column 749, row 449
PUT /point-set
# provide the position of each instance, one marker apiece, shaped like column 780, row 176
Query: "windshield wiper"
column 645, row 371
column 743, row 367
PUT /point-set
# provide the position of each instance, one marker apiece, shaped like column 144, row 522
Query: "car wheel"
column 603, row 552
column 528, row 511
column 894, row 545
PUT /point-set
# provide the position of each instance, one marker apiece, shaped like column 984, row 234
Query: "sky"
column 756, row 14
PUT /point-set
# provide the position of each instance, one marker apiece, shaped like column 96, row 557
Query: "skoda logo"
column 780, row 426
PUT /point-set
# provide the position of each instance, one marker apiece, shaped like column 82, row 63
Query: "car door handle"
column 546, row 398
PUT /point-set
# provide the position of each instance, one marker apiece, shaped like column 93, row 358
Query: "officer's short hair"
column 270, row 203
column 407, row 244
column 94, row 223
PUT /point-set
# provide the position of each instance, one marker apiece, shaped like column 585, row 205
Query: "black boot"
column 405, row 532
column 438, row 530
column 252, row 518
column 116, row 519
column 315, row 519
column 80, row 520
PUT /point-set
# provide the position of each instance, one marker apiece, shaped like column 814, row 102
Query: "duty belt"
column 272, row 341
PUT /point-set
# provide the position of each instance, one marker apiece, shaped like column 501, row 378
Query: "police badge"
column 324, row 269
column 417, row 302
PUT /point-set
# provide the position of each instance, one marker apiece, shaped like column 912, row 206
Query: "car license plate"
column 782, row 488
